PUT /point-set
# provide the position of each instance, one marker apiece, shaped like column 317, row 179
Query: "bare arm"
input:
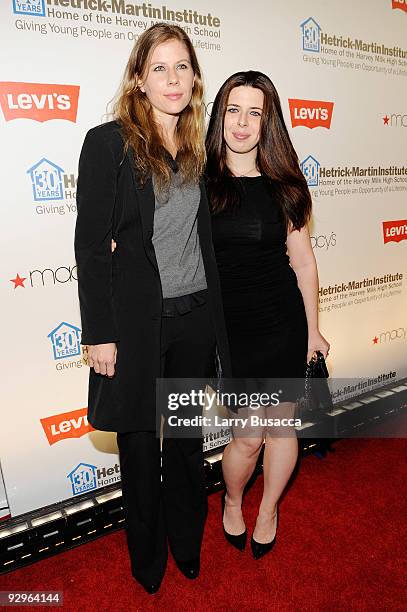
column 302, row 261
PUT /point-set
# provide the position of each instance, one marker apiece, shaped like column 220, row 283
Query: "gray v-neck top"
column 175, row 238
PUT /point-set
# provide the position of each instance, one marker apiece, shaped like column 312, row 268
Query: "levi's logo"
column 399, row 4
column 72, row 424
column 394, row 231
column 311, row 113
column 39, row 101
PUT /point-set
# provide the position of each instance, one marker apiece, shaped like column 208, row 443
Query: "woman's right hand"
column 102, row 358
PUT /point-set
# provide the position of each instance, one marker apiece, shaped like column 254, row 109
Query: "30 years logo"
column 50, row 184
column 86, row 477
column 310, row 35
column 46, row 179
column 65, row 340
column 310, row 169
column 32, row 8
column 83, row 478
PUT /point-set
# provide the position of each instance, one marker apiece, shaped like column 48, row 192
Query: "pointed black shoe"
column 149, row 587
column 190, row 569
column 238, row 541
column 259, row 550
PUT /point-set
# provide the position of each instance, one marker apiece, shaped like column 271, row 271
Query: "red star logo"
column 18, row 281
column 375, row 340
column 386, row 120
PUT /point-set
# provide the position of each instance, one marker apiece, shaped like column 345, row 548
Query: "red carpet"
column 341, row 545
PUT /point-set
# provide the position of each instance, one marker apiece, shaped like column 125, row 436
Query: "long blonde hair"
column 134, row 112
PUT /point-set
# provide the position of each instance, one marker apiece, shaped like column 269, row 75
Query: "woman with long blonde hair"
column 152, row 307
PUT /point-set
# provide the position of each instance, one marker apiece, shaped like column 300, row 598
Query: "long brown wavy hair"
column 276, row 157
column 135, row 114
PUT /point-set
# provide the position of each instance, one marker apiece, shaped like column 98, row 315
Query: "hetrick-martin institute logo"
column 65, row 340
column 39, row 101
column 399, row 4
column 46, row 179
column 394, row 231
column 32, row 8
column 310, row 113
column 310, row 169
column 310, row 35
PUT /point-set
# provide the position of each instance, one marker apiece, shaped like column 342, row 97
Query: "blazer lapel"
column 146, row 204
column 204, row 218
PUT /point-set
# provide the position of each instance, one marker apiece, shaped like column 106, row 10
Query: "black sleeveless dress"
column 263, row 306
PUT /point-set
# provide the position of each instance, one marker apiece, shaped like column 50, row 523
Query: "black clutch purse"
column 317, row 398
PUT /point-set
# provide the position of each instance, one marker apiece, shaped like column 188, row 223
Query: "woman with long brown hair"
column 261, row 205
column 151, row 307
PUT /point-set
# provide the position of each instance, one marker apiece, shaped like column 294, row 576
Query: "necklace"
column 240, row 175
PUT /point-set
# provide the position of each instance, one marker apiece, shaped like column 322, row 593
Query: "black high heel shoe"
column 150, row 587
column 259, row 550
column 190, row 569
column 238, row 541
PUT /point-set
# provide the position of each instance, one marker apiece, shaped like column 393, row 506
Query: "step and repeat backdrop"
column 341, row 72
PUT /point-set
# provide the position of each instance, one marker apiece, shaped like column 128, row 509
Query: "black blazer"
column 120, row 294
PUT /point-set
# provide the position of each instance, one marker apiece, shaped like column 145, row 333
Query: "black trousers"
column 164, row 492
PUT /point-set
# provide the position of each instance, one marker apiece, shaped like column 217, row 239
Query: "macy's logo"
column 395, row 120
column 399, row 4
column 42, row 278
column 38, row 101
column 73, row 424
column 311, row 113
column 323, row 241
column 394, row 231
column 389, row 336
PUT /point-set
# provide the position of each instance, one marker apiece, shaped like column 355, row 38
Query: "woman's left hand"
column 316, row 342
